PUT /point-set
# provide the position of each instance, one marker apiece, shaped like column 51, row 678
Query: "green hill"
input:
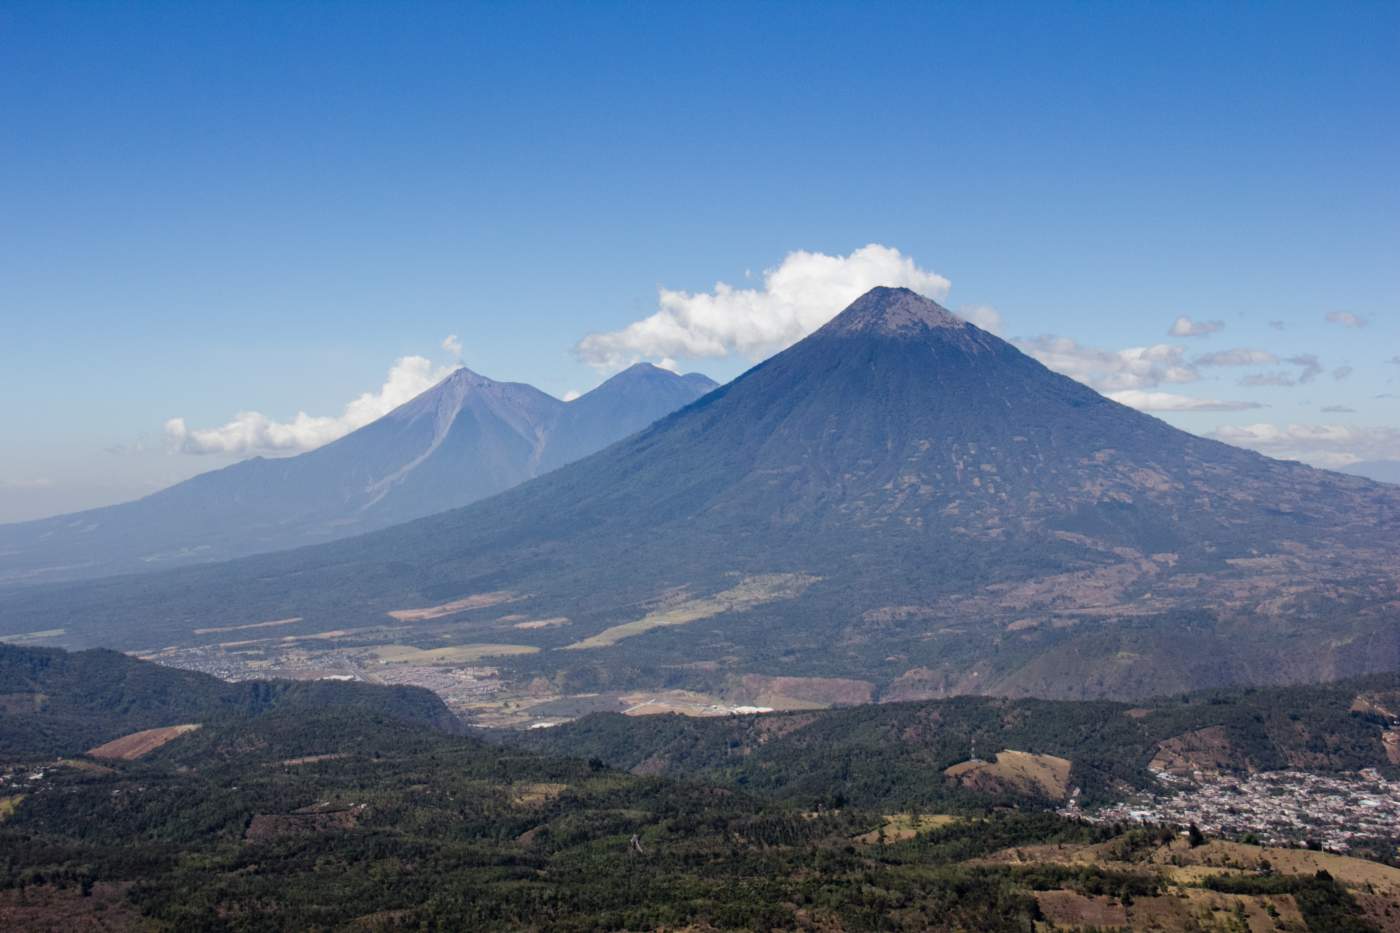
column 53, row 702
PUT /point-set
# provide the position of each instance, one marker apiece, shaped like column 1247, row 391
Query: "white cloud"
column 453, row 346
column 799, row 295
column 1277, row 325
column 1111, row 370
column 1170, row 401
column 252, row 432
column 572, row 394
column 1239, row 356
column 1185, row 327
column 1308, row 366
column 1332, row 445
column 1346, row 319
column 984, row 316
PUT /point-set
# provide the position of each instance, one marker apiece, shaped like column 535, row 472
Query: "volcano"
column 464, row 439
column 900, row 501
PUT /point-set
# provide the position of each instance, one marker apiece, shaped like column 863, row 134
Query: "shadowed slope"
column 940, row 512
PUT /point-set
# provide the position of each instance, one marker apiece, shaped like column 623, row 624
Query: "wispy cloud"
column 1338, row 410
column 1309, row 366
column 1170, row 401
column 1239, row 356
column 1111, row 370
column 1321, row 444
column 1268, row 379
column 799, row 295
column 453, row 346
column 984, row 316
column 1346, row 319
column 1341, row 373
column 1184, row 326
column 251, row 432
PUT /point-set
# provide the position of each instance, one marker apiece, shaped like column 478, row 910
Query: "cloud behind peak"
column 797, row 296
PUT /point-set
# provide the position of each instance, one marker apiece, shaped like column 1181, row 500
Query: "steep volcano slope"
column 901, row 498
column 466, row 438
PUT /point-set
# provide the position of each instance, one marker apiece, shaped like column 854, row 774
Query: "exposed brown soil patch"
column 1379, row 703
column 276, row 825
column 47, row 909
column 1015, row 772
column 806, row 692
column 919, row 683
column 1391, row 739
column 131, row 747
column 1203, row 750
column 1068, row 909
column 1382, row 912
column 1187, row 911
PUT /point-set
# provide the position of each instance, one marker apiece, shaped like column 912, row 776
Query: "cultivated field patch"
column 133, row 746
column 901, row 826
column 806, row 692
column 23, row 637
column 543, row 623
column 238, row 628
column 536, row 794
column 453, row 654
column 754, row 591
column 9, row 804
column 478, row 601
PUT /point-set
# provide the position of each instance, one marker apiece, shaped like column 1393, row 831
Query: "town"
column 1332, row 811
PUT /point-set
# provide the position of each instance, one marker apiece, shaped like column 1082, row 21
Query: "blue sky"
column 207, row 208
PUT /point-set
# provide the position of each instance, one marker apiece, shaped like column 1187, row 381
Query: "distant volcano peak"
column 463, row 376
column 884, row 310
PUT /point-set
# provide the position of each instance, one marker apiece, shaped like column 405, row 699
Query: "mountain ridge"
column 466, row 438
column 924, row 509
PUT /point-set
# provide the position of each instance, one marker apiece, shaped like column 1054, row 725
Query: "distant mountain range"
column 901, row 502
column 1382, row 471
column 466, row 438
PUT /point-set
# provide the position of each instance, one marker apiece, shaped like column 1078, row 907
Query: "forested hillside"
column 893, row 755
column 54, row 702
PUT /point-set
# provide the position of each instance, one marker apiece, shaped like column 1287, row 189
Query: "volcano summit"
column 901, row 501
